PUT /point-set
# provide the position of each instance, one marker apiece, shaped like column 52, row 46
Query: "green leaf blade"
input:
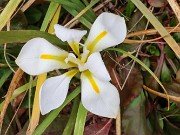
column 80, row 120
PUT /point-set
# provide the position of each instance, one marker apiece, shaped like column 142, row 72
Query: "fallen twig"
column 173, row 98
column 152, row 31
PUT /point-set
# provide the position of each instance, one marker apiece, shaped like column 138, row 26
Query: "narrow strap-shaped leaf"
column 54, row 20
column 52, row 115
column 22, row 36
column 49, row 15
column 80, row 120
column 8, row 11
column 72, row 119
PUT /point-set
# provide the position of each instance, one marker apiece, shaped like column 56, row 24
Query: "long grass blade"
column 22, row 36
column 80, row 120
column 4, row 77
column 8, row 11
column 72, row 119
column 49, row 15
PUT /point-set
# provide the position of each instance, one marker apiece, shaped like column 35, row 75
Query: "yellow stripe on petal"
column 91, row 46
column 92, row 81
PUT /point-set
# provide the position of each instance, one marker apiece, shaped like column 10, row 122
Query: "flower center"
column 80, row 64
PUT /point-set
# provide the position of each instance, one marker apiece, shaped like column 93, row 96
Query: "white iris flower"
column 98, row 95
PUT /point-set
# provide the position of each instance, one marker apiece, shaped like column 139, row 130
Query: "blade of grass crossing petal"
column 8, row 11
column 144, row 66
column 72, row 119
column 5, row 77
column 80, row 120
column 20, row 90
column 53, row 114
column 83, row 11
column 158, row 26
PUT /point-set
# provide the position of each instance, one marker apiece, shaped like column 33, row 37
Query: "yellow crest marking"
column 92, row 81
column 59, row 58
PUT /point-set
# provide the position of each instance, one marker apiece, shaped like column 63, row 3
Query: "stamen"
column 92, row 81
column 72, row 60
column 85, row 55
column 91, row 46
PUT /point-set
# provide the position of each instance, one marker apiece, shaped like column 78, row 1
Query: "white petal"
column 96, row 65
column 69, row 35
column 115, row 27
column 30, row 61
column 105, row 103
column 53, row 93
